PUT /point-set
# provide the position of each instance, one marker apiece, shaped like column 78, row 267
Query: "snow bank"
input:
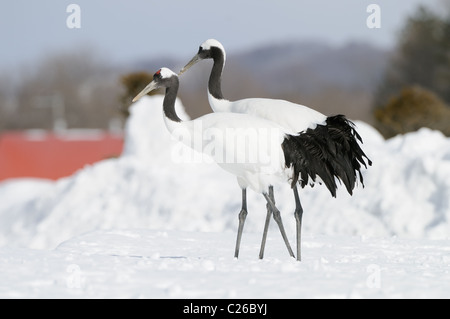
column 407, row 192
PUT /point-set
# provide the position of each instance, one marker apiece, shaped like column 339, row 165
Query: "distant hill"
column 310, row 66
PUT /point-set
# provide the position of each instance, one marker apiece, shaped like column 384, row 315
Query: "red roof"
column 43, row 154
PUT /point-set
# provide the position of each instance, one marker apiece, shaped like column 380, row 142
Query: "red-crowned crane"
column 324, row 147
column 271, row 152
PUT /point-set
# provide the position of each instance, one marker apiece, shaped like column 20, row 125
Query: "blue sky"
column 123, row 31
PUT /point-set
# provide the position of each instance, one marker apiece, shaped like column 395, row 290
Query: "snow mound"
column 407, row 192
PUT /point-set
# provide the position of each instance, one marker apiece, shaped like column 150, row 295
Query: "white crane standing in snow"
column 272, row 152
column 323, row 146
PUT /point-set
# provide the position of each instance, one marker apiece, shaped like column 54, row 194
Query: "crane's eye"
column 157, row 75
column 200, row 49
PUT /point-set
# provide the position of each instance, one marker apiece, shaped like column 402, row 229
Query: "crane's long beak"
column 152, row 86
column 194, row 60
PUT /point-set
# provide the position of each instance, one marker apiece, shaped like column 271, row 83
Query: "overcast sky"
column 124, row 31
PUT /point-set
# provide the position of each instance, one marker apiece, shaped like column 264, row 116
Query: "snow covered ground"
column 145, row 226
column 176, row 264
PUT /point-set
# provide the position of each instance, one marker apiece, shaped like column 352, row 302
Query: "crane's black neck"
column 215, row 79
column 169, row 100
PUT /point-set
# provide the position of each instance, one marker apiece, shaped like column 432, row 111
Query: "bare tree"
column 76, row 87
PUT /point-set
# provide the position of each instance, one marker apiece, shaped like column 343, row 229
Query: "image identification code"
column 232, row 308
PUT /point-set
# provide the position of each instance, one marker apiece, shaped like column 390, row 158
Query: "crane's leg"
column 242, row 217
column 266, row 225
column 298, row 221
column 277, row 217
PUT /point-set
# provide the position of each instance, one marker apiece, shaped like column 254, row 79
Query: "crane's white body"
column 293, row 117
column 245, row 146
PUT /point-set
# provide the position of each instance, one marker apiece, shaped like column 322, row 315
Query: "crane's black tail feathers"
column 330, row 151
